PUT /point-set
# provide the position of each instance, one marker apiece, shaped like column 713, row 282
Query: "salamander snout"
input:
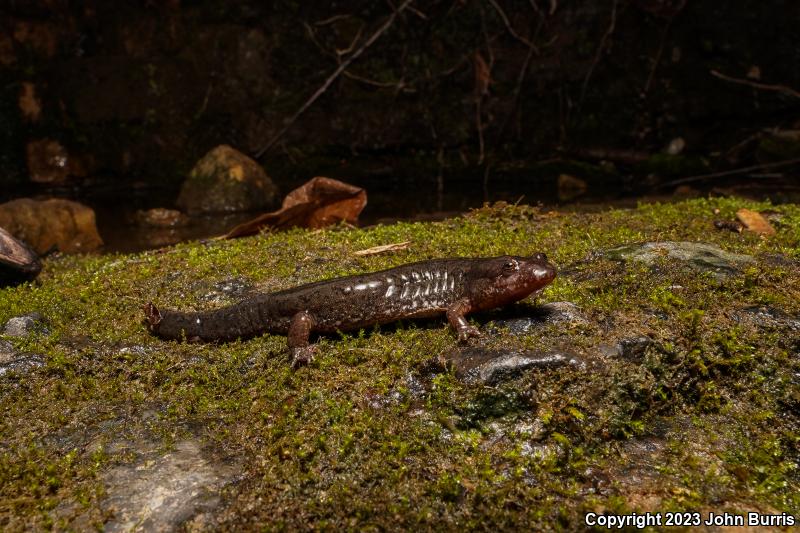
column 540, row 269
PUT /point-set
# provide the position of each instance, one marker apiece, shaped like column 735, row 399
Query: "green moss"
column 364, row 438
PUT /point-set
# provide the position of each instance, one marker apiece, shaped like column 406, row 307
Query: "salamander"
column 453, row 287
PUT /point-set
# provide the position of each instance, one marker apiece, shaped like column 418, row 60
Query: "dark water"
column 389, row 200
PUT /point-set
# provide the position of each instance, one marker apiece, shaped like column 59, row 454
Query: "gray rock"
column 554, row 312
column 22, row 326
column 631, row 348
column 13, row 362
column 766, row 316
column 701, row 256
column 228, row 289
column 489, row 367
column 162, row 492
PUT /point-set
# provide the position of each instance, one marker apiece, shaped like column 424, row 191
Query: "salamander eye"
column 510, row 266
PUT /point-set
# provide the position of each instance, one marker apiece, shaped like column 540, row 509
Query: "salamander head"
column 503, row 280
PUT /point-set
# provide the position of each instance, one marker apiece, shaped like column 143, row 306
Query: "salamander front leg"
column 455, row 316
column 299, row 330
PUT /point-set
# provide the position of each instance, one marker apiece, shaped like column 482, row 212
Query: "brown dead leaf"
column 383, row 248
column 317, row 203
column 755, row 222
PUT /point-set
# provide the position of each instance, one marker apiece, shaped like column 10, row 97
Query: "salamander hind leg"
column 301, row 351
column 455, row 316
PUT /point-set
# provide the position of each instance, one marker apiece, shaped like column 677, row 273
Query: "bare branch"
column 756, row 85
column 600, row 50
column 336, row 73
column 743, row 170
column 510, row 28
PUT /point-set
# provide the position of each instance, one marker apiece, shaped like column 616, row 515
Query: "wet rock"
column 570, row 187
column 49, row 162
column 18, row 262
column 492, row 404
column 30, row 106
column 226, row 290
column 701, row 256
column 554, row 312
column 13, row 362
column 489, row 367
column 160, row 217
column 226, row 180
column 780, row 260
column 40, row 36
column 22, row 326
column 631, row 348
column 163, row 491
column 51, row 224
column 766, row 316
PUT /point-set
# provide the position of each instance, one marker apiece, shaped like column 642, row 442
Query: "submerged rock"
column 160, row 217
column 489, row 367
column 51, row 224
column 701, row 256
column 226, row 180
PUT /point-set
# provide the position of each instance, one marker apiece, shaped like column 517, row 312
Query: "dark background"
column 135, row 92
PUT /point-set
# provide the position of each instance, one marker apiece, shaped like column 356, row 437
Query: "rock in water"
column 226, row 180
column 51, row 224
column 18, row 262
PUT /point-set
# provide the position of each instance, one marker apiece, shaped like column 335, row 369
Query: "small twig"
column 400, row 85
column 331, row 20
column 510, row 28
column 600, row 49
column 336, row 73
column 756, row 85
column 383, row 248
column 661, row 45
column 743, row 170
column 349, row 49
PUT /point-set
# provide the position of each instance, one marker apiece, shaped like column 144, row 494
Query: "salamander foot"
column 466, row 332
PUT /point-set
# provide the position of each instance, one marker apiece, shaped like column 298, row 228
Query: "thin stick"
column 743, row 170
column 510, row 28
column 336, row 73
column 763, row 86
column 600, row 49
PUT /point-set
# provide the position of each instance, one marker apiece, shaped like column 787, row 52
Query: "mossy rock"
column 226, row 180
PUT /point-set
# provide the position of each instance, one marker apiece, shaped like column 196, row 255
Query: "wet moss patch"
column 702, row 416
